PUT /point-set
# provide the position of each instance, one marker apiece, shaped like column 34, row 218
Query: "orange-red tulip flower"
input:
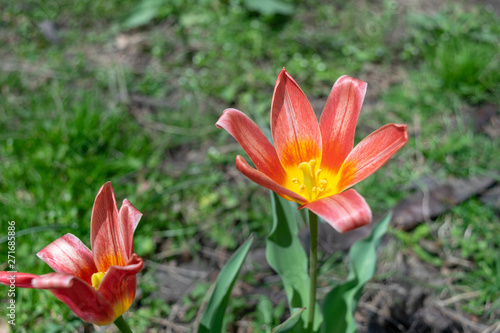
column 99, row 285
column 314, row 163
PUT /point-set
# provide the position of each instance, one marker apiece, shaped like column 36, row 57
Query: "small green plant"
column 460, row 47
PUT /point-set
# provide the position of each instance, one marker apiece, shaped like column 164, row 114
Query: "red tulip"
column 314, row 163
column 99, row 285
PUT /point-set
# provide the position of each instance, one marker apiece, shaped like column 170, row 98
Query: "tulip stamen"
column 96, row 279
column 311, row 183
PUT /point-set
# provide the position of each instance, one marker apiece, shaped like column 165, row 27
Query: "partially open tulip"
column 314, row 163
column 98, row 285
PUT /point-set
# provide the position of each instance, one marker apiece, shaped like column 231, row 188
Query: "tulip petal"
column 371, row 153
column 129, row 218
column 86, row 302
column 294, row 126
column 254, row 142
column 69, row 255
column 119, row 284
column 108, row 246
column 338, row 120
column 20, row 280
column 344, row 211
column 261, row 179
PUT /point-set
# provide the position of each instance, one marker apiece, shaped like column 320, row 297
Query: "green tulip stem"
column 313, row 268
column 122, row 325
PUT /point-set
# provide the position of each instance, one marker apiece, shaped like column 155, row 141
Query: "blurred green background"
column 130, row 92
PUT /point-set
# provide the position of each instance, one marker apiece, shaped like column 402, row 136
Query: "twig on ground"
column 493, row 328
column 458, row 298
column 469, row 325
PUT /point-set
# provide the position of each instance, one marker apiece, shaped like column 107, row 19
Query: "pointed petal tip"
column 289, row 77
column 106, row 188
column 406, row 136
column 404, row 128
column 338, row 120
column 129, row 218
column 253, row 141
column 403, row 131
column 372, row 153
column 107, row 185
column 284, row 77
column 348, row 78
column 21, row 280
column 134, row 214
column 225, row 114
column 345, row 79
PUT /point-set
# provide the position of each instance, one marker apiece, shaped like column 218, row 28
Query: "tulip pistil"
column 312, row 185
column 96, row 279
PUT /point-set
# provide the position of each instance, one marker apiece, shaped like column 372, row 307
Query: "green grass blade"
column 213, row 317
column 340, row 303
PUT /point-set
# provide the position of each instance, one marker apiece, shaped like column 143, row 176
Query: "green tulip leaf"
column 287, row 257
column 269, row 7
column 340, row 303
column 290, row 323
column 213, row 317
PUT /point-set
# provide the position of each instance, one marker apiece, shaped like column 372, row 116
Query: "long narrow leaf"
column 340, row 303
column 287, row 257
column 290, row 323
column 213, row 317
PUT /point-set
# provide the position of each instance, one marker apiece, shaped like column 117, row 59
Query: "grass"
column 471, row 238
column 71, row 119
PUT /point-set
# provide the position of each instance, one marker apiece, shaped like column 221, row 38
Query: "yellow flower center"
column 312, row 185
column 96, row 279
